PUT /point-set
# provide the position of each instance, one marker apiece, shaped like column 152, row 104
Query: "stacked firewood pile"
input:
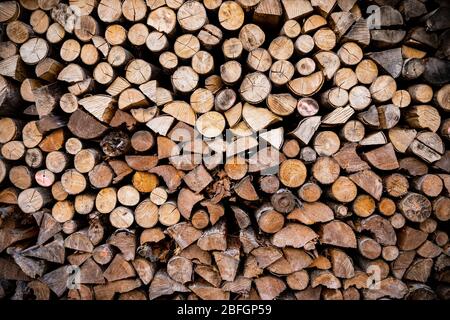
column 249, row 149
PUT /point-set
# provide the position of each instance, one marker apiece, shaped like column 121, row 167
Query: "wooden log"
column 307, row 86
column 34, row 158
column 304, row 44
column 156, row 41
column 121, row 217
column 138, row 34
column 184, row 79
column 424, row 116
column 411, row 201
column 387, row 206
column 291, row 29
column 191, row 16
column 13, row 67
column 45, row 178
column 134, row 10
column 21, row 177
column 310, row 192
column 291, row 148
column 390, row 60
column 85, row 160
column 73, row 182
column 18, row 32
column 353, row 131
column 350, row 53
column 356, row 72
column 430, row 185
column 326, row 143
column 33, row 199
column 366, row 71
column 292, row 173
column 210, row 124
column 9, row 129
column 164, row 20
column 413, row 68
column 7, row 49
column 326, row 170
column 383, row 158
column 200, row 219
column 383, row 88
column 344, row 190
column 364, row 205
column 440, row 95
column 312, row 213
column 58, row 192
column 268, row 13
column 13, row 150
column 56, row 161
column 186, row 46
column 255, row 88
column 335, row 97
column 346, row 239
column 119, row 56
column 84, row 203
column 202, row 100
column 281, row 72
column 88, row 27
column 325, row 39
column 68, row 103
column 424, row 151
column 55, row 33
column 251, row 36
column 440, row 208
column 85, row 126
column 9, row 97
column 305, row 66
column 203, row 63
column 70, row 50
column 210, row 36
column 10, row 11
